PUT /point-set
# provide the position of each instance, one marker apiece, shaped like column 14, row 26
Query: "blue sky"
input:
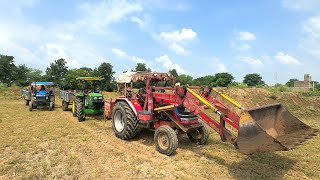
column 279, row 39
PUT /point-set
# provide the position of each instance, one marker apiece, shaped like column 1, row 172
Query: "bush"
column 278, row 88
column 310, row 93
column 3, row 86
column 238, row 85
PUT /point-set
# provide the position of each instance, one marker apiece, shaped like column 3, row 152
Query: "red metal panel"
column 108, row 106
column 134, row 104
column 144, row 117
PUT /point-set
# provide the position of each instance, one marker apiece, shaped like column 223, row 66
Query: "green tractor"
column 89, row 100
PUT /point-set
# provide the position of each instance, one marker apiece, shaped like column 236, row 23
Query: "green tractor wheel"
column 79, row 110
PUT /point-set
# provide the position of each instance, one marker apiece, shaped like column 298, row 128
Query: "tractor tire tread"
column 78, row 109
column 173, row 144
column 131, row 127
column 205, row 135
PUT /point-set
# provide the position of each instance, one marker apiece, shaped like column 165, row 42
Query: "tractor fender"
column 134, row 104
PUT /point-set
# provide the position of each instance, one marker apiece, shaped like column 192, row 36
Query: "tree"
column 173, row 72
column 142, row 67
column 205, row 80
column 105, row 71
column 222, row 79
column 253, row 80
column 69, row 81
column 56, row 71
column 290, row 83
column 7, row 68
column 20, row 75
column 184, row 79
column 34, row 75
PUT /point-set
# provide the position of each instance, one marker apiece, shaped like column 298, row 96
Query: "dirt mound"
column 296, row 103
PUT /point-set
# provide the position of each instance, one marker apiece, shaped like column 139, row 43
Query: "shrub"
column 238, row 85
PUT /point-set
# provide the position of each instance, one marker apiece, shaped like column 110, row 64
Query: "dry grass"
column 52, row 144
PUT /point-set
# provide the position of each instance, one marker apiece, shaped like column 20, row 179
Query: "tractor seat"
column 185, row 116
column 41, row 93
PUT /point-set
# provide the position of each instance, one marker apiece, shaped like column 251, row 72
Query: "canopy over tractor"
column 89, row 78
column 168, row 108
column 42, row 83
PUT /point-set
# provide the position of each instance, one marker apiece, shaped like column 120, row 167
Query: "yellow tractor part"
column 232, row 101
column 164, row 108
column 204, row 101
column 73, row 107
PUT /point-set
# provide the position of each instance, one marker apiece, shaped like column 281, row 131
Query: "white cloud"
column 119, row 53
column 138, row 21
column 65, row 37
column 245, row 36
column 301, row 5
column 309, row 43
column 168, row 64
column 122, row 54
column 178, row 49
column 178, row 36
column 312, row 26
column 143, row 23
column 221, row 68
column 98, row 16
column 176, row 39
column 241, row 40
column 286, row 59
column 256, row 63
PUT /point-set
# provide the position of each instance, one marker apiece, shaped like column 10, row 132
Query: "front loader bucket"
column 270, row 128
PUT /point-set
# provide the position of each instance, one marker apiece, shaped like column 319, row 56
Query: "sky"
column 279, row 39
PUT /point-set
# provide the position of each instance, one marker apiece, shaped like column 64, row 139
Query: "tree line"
column 59, row 73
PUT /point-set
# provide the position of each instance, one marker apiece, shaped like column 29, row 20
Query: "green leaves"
column 253, row 80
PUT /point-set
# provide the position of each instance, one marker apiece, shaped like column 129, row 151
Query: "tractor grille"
column 98, row 104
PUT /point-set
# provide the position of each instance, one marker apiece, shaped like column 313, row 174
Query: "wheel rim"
column 118, row 121
column 163, row 141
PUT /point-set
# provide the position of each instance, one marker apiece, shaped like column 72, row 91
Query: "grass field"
column 46, row 144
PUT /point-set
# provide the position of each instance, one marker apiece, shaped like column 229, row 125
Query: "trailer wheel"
column 79, row 110
column 199, row 135
column 30, row 106
column 124, row 121
column 51, row 106
column 64, row 106
column 166, row 140
column 27, row 103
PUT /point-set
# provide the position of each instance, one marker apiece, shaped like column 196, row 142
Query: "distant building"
column 304, row 85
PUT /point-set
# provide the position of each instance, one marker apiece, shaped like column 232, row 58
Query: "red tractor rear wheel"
column 199, row 135
column 166, row 140
column 124, row 121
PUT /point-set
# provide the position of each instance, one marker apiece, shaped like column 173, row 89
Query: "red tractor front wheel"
column 166, row 140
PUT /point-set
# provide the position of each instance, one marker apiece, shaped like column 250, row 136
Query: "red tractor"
column 170, row 110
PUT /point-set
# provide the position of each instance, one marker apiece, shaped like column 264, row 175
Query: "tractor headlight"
column 34, row 97
column 95, row 98
column 101, row 98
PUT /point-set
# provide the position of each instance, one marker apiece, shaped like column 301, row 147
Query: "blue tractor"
column 42, row 95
